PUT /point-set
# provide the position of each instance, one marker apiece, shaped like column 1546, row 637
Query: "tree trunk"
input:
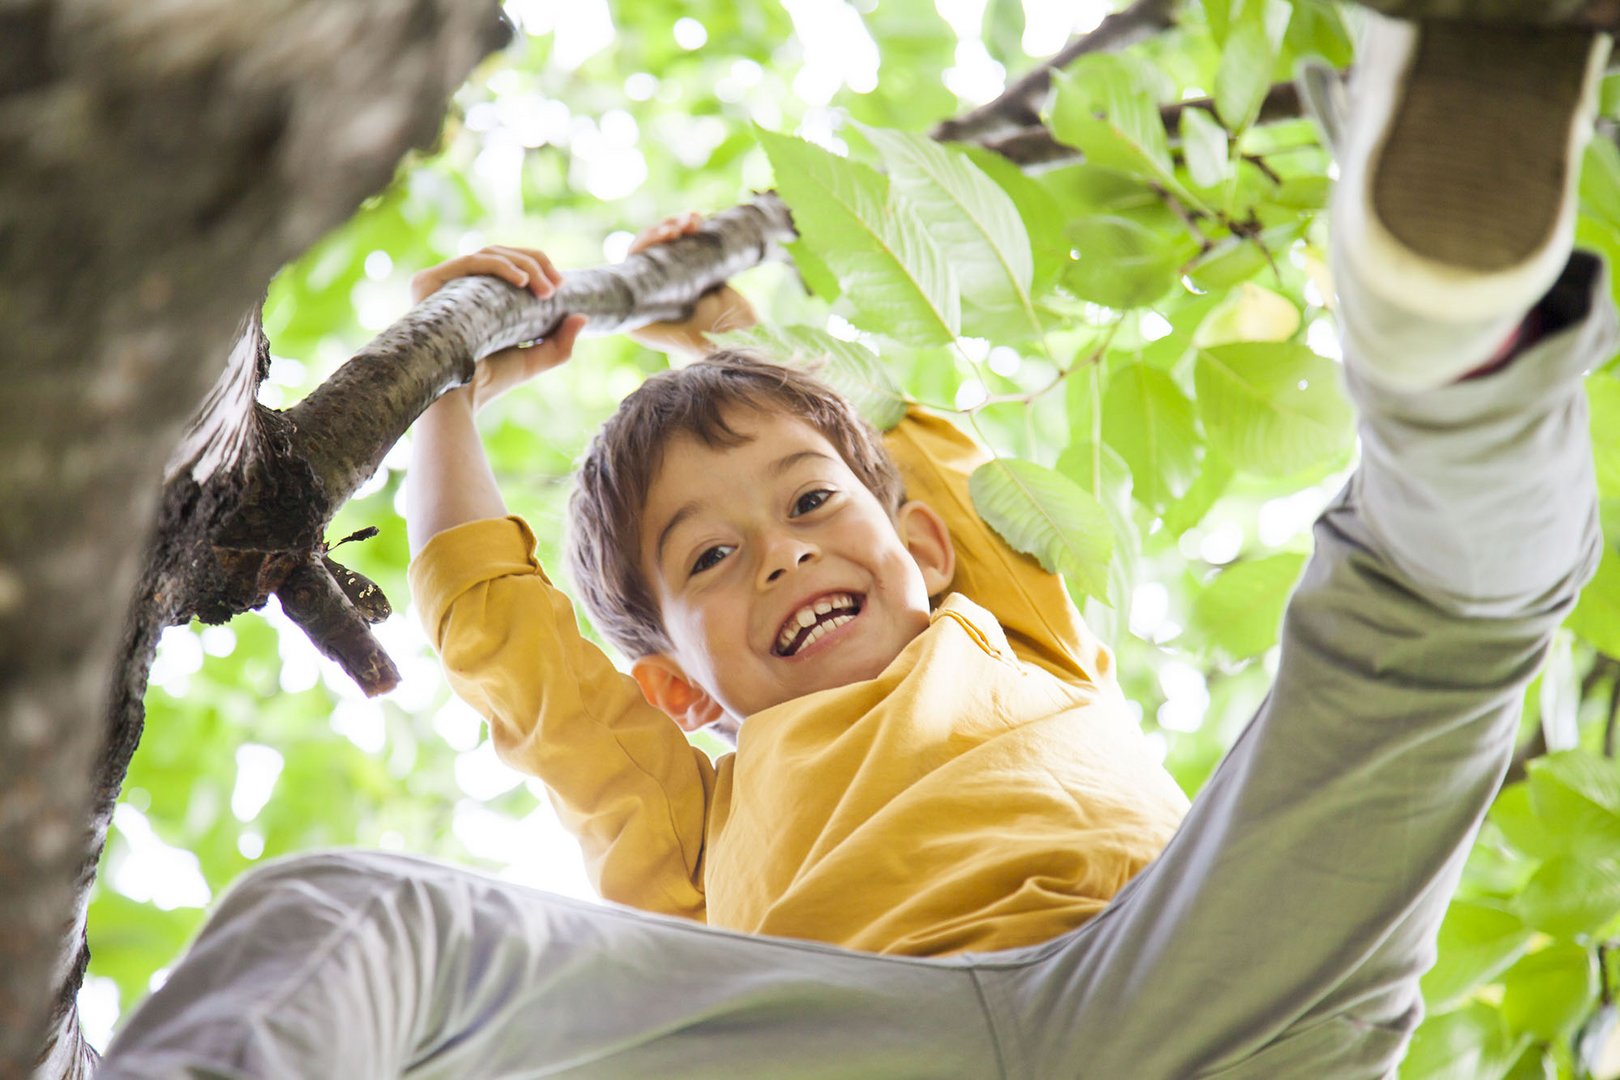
column 158, row 162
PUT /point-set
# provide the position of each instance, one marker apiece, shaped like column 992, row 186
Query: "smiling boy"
column 912, row 777
column 956, row 791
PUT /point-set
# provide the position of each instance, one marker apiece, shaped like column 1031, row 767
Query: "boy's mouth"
column 819, row 617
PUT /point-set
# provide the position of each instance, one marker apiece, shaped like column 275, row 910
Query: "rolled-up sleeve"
column 621, row 773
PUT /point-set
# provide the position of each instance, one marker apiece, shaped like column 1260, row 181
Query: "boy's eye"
column 810, row 500
column 710, row 557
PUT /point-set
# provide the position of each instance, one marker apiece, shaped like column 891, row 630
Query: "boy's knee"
column 320, row 887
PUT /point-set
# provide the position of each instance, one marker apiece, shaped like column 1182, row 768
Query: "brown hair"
column 604, row 548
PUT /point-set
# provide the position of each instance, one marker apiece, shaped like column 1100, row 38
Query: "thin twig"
column 1020, row 104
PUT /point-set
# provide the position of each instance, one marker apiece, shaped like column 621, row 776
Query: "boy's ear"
column 928, row 538
column 664, row 684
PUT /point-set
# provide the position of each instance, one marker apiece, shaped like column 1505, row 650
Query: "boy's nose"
column 785, row 558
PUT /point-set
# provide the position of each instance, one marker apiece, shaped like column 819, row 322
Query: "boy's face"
column 777, row 572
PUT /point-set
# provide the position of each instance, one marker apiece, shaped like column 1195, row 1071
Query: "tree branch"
column 1034, row 147
column 312, row 599
column 1019, row 106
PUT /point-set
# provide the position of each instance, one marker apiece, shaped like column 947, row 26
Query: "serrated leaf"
column 1042, row 513
column 1122, row 264
column 1149, row 421
column 1570, row 897
column 1101, row 109
column 1242, row 608
column 847, row 366
column 1477, row 942
column 892, row 273
column 970, row 217
column 1205, row 146
column 1273, row 408
column 1043, row 219
column 1548, row 993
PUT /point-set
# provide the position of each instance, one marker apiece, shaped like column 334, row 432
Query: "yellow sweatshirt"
column 988, row 790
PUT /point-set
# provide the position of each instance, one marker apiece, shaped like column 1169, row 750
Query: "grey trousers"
column 1281, row 933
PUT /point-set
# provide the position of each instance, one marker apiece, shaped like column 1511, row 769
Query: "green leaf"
column 1477, row 942
column 1273, row 408
column 1241, row 610
column 1596, row 618
column 1103, row 110
column 847, row 366
column 1469, row 1044
column 1318, row 29
column 1122, row 264
column 1524, row 829
column 1103, row 473
column 1204, row 143
column 1043, row 219
column 1603, row 396
column 1600, row 182
column 1578, row 794
column 814, row 272
column 1247, row 59
column 1149, row 421
column 1214, row 475
column 1234, row 259
column 886, row 264
column 1042, row 513
column 1571, row 897
column 970, row 217
column 1548, row 993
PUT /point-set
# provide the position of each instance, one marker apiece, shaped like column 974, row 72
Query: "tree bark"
column 158, row 162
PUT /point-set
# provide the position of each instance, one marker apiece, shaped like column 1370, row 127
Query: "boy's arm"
column 449, row 481
column 1033, row 607
column 622, row 774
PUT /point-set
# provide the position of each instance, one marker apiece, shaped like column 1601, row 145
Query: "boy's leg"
column 361, row 965
column 1283, row 930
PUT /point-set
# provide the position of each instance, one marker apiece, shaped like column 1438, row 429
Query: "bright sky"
column 535, row 850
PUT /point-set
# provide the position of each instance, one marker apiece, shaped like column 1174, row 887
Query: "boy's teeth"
column 806, row 618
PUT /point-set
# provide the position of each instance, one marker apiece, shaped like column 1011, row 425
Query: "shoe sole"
column 1524, row 12
column 1484, row 198
column 1442, row 211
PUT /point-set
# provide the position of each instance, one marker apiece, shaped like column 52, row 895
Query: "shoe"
column 1595, row 14
column 1457, row 198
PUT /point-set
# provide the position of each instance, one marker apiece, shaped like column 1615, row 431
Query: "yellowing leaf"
column 1250, row 313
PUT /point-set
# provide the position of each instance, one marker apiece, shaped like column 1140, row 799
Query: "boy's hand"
column 526, row 269
column 717, row 310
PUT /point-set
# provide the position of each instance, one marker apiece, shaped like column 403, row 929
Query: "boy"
column 1283, row 927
